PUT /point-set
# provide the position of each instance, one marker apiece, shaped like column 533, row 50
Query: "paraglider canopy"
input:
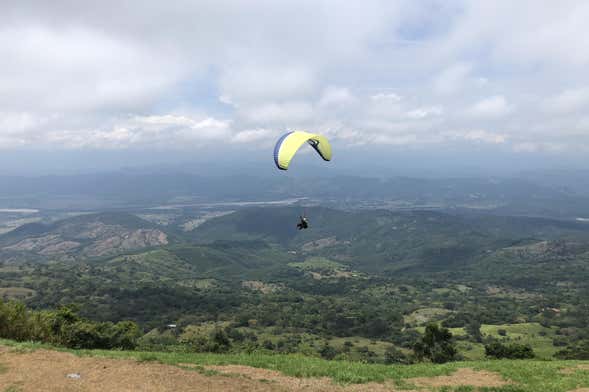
column 288, row 145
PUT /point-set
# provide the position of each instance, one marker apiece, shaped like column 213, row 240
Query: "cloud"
column 336, row 97
column 265, row 136
column 243, row 84
column 495, row 106
column 386, row 97
column 452, row 79
column 140, row 131
column 484, row 136
column 278, row 114
column 568, row 101
column 77, row 69
column 425, row 112
column 176, row 74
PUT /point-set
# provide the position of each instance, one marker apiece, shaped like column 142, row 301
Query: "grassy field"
column 524, row 376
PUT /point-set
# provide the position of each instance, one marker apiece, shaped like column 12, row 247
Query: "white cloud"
column 425, row 112
column 17, row 122
column 226, row 100
column 336, row 97
column 495, row 106
column 452, row 79
column 77, row 69
column 246, row 84
column 386, row 97
column 569, row 101
column 174, row 74
column 484, row 136
column 145, row 131
column 279, row 114
column 255, row 136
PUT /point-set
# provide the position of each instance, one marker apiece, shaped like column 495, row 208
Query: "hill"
column 84, row 236
column 381, row 241
column 357, row 282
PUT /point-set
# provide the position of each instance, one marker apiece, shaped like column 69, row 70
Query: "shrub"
column 328, row 352
column 499, row 350
column 394, row 355
column 579, row 352
column 64, row 327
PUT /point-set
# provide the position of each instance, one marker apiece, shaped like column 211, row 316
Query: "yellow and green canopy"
column 289, row 144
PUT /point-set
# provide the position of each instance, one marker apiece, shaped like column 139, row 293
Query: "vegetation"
column 499, row 350
column 435, row 345
column 523, row 375
column 65, row 328
column 248, row 282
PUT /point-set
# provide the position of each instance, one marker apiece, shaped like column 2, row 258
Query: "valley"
column 360, row 285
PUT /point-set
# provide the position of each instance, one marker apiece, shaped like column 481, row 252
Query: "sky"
column 393, row 84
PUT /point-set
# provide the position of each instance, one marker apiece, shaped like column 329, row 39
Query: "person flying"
column 287, row 146
column 303, row 223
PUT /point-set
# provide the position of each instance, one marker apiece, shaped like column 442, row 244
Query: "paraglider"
column 303, row 223
column 288, row 145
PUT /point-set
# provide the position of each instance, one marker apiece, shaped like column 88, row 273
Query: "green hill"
column 361, row 281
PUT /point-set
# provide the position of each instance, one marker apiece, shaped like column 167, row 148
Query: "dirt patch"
column 465, row 376
column 572, row 370
column 580, row 390
column 300, row 384
column 44, row 370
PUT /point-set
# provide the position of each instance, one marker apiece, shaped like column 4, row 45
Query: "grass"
column 526, row 375
column 471, row 351
column 12, row 388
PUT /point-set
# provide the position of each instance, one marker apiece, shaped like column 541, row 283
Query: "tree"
column 499, row 350
column 125, row 335
column 436, row 345
column 220, row 340
column 473, row 328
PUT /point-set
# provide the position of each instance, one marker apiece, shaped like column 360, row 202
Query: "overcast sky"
column 506, row 78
